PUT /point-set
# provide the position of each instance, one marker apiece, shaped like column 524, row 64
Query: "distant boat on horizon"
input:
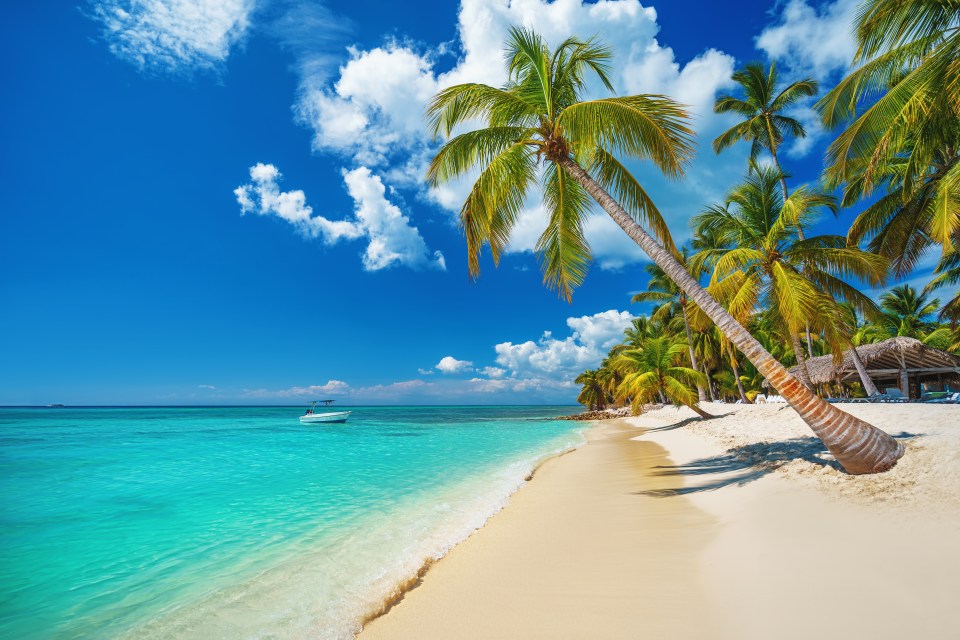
column 330, row 417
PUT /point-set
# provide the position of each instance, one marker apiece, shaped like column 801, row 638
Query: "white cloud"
column 562, row 359
column 173, row 35
column 810, row 40
column 535, row 371
column 372, row 113
column 263, row 197
column 332, row 387
column 206, row 386
column 425, row 372
column 449, row 364
column 391, row 239
column 375, row 109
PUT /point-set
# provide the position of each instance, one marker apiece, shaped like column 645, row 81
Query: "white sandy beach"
column 739, row 527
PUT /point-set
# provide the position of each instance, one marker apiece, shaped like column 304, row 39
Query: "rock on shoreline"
column 605, row 414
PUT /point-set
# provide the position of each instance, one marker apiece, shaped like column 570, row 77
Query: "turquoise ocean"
column 241, row 522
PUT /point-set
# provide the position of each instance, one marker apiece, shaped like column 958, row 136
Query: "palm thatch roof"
column 884, row 361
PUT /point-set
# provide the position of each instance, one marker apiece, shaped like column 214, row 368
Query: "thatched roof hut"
column 889, row 363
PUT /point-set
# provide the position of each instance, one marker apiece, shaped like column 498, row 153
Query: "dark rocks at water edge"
column 605, row 414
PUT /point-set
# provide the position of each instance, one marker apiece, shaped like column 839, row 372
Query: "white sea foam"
column 325, row 587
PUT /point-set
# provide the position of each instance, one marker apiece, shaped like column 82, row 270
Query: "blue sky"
column 221, row 201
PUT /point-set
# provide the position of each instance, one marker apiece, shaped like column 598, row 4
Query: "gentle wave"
column 240, row 523
column 327, row 592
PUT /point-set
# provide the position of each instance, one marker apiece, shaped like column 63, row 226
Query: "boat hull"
column 326, row 418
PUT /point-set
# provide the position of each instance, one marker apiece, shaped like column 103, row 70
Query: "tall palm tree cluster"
column 798, row 294
column 756, row 290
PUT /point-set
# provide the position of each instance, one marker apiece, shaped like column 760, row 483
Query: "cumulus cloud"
column 535, row 371
column 392, row 240
column 562, row 359
column 371, row 112
column 812, row 40
column 173, row 35
column 262, row 196
column 449, row 364
column 545, row 369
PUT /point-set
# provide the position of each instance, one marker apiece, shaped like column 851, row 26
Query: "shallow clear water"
column 241, row 522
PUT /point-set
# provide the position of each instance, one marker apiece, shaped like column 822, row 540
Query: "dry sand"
column 740, row 527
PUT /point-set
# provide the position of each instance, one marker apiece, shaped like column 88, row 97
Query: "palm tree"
column 672, row 299
column 906, row 142
column 761, row 261
column 762, row 106
column 654, row 370
column 537, row 126
column 907, row 312
column 592, row 395
column 859, row 335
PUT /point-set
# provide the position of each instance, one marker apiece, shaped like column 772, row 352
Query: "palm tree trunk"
column 700, row 412
column 865, row 378
column 802, row 372
column 776, row 163
column 783, row 181
column 856, row 444
column 701, row 392
column 786, row 195
column 736, row 378
column 706, row 372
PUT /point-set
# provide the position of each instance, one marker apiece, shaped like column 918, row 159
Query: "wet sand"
column 741, row 527
column 580, row 552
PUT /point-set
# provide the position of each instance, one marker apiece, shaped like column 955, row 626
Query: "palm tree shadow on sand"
column 743, row 465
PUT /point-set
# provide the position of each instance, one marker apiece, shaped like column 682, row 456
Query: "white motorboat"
column 311, row 416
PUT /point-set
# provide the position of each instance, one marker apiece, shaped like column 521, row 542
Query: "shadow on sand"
column 742, row 465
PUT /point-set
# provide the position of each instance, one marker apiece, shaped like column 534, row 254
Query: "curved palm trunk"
column 857, row 445
column 865, row 378
column 802, row 372
column 700, row 412
column 701, row 392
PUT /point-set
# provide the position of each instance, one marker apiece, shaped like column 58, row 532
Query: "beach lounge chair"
column 876, row 397
column 953, row 398
column 895, row 395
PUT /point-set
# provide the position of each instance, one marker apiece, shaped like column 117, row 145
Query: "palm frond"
column 563, row 249
column 642, row 126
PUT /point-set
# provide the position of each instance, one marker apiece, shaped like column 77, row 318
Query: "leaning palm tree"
column 537, row 127
column 762, row 106
column 673, row 300
column 655, row 370
column 902, row 137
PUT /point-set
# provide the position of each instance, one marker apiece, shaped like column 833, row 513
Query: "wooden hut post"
column 904, row 377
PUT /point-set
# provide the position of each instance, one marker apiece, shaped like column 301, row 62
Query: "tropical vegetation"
column 752, row 293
